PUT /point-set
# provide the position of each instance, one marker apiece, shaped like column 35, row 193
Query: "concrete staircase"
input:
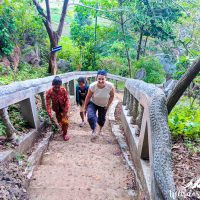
column 80, row 169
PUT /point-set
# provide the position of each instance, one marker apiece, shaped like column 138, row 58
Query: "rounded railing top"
column 139, row 89
column 34, row 83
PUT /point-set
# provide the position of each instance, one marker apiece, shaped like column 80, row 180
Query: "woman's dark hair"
column 81, row 80
column 57, row 81
column 102, row 72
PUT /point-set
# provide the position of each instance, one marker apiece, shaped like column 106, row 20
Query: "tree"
column 54, row 36
column 153, row 19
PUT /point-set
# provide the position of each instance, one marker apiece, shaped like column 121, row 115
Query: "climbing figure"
column 81, row 92
column 100, row 96
column 58, row 96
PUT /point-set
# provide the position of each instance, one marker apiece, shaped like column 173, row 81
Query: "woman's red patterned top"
column 59, row 99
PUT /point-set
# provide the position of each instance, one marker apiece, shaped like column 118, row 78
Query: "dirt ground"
column 80, row 169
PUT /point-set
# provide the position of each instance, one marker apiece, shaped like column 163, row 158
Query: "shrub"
column 184, row 120
column 154, row 70
column 69, row 52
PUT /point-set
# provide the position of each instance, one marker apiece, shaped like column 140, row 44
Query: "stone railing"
column 145, row 123
column 23, row 92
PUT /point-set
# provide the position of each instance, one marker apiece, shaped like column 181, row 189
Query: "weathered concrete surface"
column 25, row 143
column 133, row 141
column 36, row 156
column 153, row 141
column 18, row 91
column 81, row 169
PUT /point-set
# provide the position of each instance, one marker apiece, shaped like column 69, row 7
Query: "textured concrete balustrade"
column 144, row 118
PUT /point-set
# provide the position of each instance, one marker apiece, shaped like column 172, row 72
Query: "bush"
column 184, row 120
column 154, row 70
column 113, row 65
column 25, row 72
column 69, row 52
column 181, row 67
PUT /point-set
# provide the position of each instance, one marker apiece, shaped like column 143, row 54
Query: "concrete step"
column 84, row 193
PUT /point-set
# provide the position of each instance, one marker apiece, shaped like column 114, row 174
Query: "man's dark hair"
column 57, row 81
column 81, row 80
column 102, row 72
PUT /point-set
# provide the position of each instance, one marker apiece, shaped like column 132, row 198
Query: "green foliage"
column 25, row 71
column 43, row 114
column 114, row 65
column 184, row 120
column 2, row 129
column 16, row 118
column 69, row 52
column 7, row 30
column 181, row 67
column 30, row 28
column 193, row 146
column 154, row 70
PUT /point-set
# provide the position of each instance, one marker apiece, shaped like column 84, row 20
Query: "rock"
column 31, row 55
column 169, row 86
column 140, row 74
column 14, row 58
column 63, row 64
column 11, row 61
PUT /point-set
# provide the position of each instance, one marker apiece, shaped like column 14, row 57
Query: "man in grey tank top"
column 99, row 97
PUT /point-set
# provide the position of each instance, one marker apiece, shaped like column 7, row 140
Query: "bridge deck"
column 81, row 169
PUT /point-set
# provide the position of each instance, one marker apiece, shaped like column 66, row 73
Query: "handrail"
column 150, row 139
column 23, row 89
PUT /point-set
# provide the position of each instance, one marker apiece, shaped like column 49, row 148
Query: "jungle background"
column 155, row 41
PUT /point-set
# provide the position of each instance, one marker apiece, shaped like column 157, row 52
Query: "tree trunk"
column 10, row 130
column 139, row 44
column 53, row 36
column 124, row 39
column 145, row 45
column 52, row 59
column 182, row 85
column 52, row 64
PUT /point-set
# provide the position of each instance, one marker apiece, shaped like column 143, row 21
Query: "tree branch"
column 182, row 85
column 39, row 9
column 48, row 11
column 62, row 18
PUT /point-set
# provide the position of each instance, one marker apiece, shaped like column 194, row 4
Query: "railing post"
column 130, row 106
column 71, row 87
column 116, row 84
column 125, row 96
column 139, row 120
column 10, row 130
column 29, row 111
column 127, row 100
column 43, row 100
column 134, row 111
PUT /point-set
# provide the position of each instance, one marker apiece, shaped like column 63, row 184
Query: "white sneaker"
column 82, row 124
column 94, row 136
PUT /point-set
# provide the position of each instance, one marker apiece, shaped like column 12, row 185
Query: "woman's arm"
column 87, row 99
column 112, row 95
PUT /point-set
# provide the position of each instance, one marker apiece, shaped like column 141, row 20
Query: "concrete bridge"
column 144, row 119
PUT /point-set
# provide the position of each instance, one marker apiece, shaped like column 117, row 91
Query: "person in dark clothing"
column 81, row 92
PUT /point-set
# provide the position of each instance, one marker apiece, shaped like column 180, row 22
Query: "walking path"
column 80, row 169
